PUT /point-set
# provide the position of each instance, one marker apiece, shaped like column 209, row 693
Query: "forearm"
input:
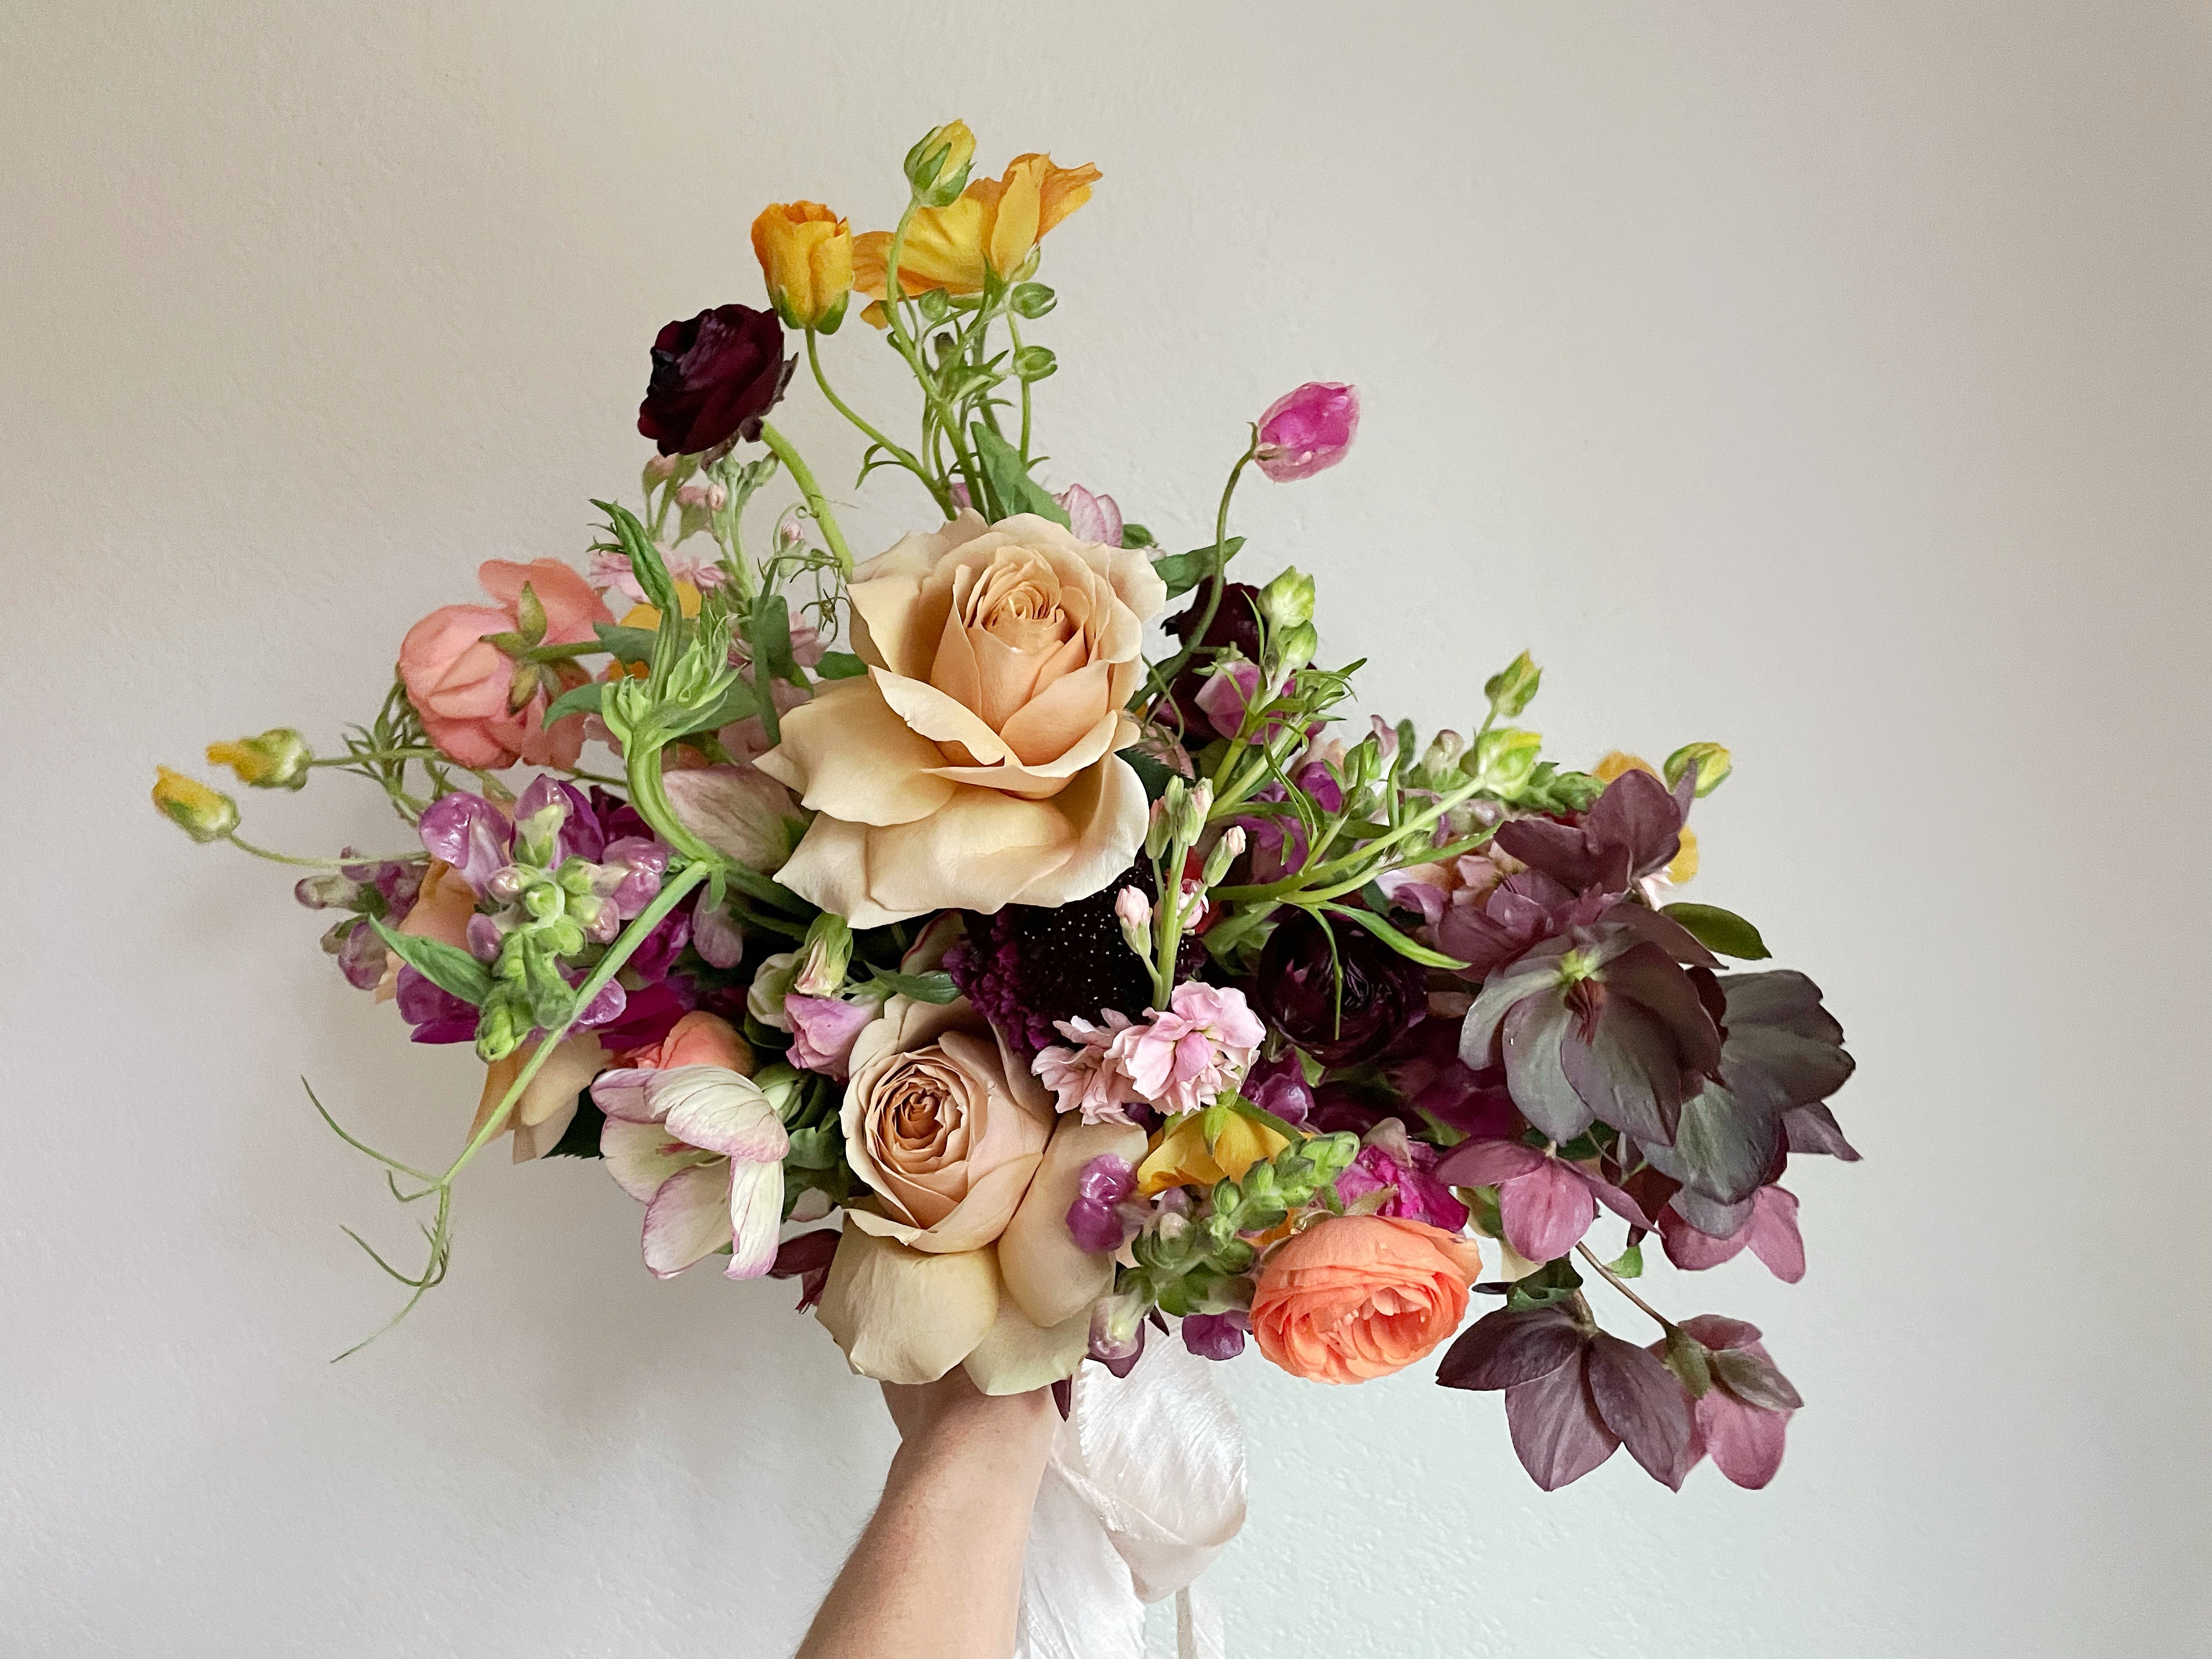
column 937, row 1574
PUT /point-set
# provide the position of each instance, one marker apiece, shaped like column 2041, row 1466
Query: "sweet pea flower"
column 1392, row 1160
column 1545, row 1203
column 610, row 572
column 823, row 1029
column 1307, row 431
column 1091, row 517
column 702, row 1146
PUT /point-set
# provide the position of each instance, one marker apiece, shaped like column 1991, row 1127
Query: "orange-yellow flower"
column 990, row 232
column 805, row 252
column 1181, row 1158
column 198, row 810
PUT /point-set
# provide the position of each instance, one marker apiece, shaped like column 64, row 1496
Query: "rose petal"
column 1017, row 1354
column 852, row 758
column 1051, row 1276
column 901, row 1316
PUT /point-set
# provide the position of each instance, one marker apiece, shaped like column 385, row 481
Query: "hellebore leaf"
column 1783, row 1049
column 1009, row 481
column 1533, row 1071
column 1720, row 930
column 446, row 966
column 1723, row 1147
column 1643, row 1403
column 1754, row 1379
column 1558, row 1433
column 1504, row 1349
column 1814, row 1129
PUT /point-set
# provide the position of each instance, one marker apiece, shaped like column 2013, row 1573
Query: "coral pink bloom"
column 460, row 686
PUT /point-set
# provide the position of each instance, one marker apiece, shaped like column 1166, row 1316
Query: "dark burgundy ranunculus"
column 714, row 377
column 1340, row 1006
column 1235, row 624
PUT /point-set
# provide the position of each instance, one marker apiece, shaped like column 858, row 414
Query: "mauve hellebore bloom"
column 714, row 378
column 1307, row 431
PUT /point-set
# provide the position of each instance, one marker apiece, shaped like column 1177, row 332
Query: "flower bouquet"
column 1110, row 990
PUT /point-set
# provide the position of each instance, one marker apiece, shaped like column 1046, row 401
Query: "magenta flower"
column 1096, row 1219
column 823, row 1030
column 1216, row 1336
column 1307, row 431
column 1545, row 1203
column 1394, row 1160
column 1185, row 1058
column 1228, row 695
column 1740, row 1420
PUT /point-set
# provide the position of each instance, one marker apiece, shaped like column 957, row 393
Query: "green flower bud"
column 1505, row 758
column 1035, row 362
column 1288, row 600
column 1032, row 301
column 937, row 167
column 1441, row 758
column 1226, row 851
column 278, row 759
column 543, row 900
column 1511, row 688
column 1294, row 648
column 198, row 810
column 1712, row 761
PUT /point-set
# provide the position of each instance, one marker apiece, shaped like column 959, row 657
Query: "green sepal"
column 932, row 987
column 737, row 703
column 644, row 558
column 1183, row 571
column 1009, row 481
column 1551, row 1283
column 1720, row 930
column 446, row 966
column 1135, row 535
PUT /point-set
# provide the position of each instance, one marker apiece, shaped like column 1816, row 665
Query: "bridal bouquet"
column 1110, row 985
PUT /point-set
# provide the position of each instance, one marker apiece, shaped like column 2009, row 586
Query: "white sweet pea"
column 703, row 1149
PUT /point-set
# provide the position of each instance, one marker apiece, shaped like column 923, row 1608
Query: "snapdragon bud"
column 824, row 959
column 1191, row 812
column 1288, row 600
column 201, row 812
column 1158, row 827
column 1712, row 761
column 1226, row 852
column 1442, row 756
column 1513, row 686
column 1504, row 758
column 1295, row 647
column 278, row 759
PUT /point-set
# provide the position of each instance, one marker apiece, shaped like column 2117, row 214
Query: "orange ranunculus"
column 989, row 232
column 1357, row 1296
column 463, row 688
column 806, row 253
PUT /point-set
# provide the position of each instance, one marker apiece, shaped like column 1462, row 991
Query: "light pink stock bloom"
column 1089, row 1077
column 703, row 1148
column 610, row 572
column 1181, row 1060
column 1307, row 431
column 823, row 1029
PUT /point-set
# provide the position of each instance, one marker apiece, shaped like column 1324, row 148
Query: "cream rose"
column 976, row 766
column 963, row 1255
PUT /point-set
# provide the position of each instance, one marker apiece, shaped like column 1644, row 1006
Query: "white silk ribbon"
column 1144, row 1488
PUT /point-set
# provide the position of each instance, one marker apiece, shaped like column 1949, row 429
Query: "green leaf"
column 1135, row 535
column 839, row 666
column 1720, row 930
column 737, row 703
column 1690, row 1360
column 1553, row 1282
column 1183, row 571
column 1629, row 1264
column 1009, row 481
column 644, row 557
column 577, row 700
column 1411, row 950
column 630, row 644
column 446, row 966
column 817, row 1148
column 922, row 988
column 769, row 630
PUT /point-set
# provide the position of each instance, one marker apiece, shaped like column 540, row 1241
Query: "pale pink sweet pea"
column 1091, row 517
column 1185, row 1058
column 823, row 1029
column 610, row 571
column 703, row 1148
column 1307, row 431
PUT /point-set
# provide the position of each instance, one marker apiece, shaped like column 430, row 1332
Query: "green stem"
column 1620, row 1285
column 801, row 476
column 1176, row 665
column 937, row 489
column 1014, row 329
column 359, row 756
column 244, row 845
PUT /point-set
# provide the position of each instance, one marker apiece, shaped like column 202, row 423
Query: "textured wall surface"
column 1831, row 380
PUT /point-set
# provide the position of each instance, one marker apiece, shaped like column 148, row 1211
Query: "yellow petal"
column 1615, row 761
column 904, row 1316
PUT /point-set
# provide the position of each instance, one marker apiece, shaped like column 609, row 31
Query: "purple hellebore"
column 1740, row 1420
column 1545, row 1203
column 1307, row 430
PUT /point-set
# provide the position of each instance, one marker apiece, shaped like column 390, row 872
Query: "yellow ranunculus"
column 1181, row 1158
column 201, row 812
column 1611, row 766
column 805, row 252
column 991, row 231
column 278, row 759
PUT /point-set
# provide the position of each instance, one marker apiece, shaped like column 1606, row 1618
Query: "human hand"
column 953, row 1405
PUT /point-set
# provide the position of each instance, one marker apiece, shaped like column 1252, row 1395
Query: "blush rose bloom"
column 460, row 686
column 976, row 766
column 1359, row 1296
column 965, row 1258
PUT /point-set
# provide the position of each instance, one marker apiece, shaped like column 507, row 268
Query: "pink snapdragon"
column 1307, row 431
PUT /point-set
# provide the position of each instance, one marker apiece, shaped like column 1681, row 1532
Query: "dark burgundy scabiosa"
column 1236, row 625
column 1027, row 966
column 1342, row 1004
column 714, row 377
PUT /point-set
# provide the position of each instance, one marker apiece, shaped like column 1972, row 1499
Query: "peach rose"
column 966, row 1258
column 462, row 688
column 976, row 766
column 1357, row 1296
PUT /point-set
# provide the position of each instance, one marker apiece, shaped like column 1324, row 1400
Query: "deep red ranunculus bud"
column 714, row 378
column 1343, row 1006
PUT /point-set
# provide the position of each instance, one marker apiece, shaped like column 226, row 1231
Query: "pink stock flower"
column 823, row 1029
column 1307, row 431
column 610, row 571
column 1183, row 1058
column 1090, row 1076
column 462, row 687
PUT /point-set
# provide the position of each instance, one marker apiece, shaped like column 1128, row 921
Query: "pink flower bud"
column 1134, row 908
column 1307, row 431
column 692, row 495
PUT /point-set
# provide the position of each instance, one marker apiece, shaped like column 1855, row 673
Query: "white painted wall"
column 1831, row 380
